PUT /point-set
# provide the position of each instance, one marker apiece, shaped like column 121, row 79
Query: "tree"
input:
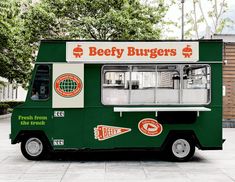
column 85, row 19
column 4, row 28
column 15, row 52
column 24, row 24
column 210, row 21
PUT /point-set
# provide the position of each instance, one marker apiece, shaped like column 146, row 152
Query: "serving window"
column 155, row 84
column 196, row 84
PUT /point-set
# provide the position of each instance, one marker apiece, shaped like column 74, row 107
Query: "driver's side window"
column 40, row 89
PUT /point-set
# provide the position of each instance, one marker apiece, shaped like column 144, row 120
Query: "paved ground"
column 131, row 167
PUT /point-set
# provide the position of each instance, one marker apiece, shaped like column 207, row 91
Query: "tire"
column 180, row 149
column 34, row 148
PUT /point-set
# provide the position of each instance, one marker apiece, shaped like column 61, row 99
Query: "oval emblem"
column 150, row 127
column 68, row 85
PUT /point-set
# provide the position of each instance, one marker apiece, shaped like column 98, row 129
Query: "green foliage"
column 84, row 19
column 8, row 106
column 3, row 108
column 23, row 24
column 4, row 5
column 15, row 51
column 212, row 20
column 2, row 83
column 13, row 104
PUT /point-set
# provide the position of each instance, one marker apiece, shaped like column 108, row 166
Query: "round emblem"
column 150, row 127
column 68, row 85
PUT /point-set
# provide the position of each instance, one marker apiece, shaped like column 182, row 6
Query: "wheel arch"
column 184, row 133
column 26, row 133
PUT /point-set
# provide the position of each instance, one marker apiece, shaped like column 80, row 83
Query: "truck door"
column 68, row 104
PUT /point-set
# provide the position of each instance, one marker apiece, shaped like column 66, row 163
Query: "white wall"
column 225, row 37
column 11, row 92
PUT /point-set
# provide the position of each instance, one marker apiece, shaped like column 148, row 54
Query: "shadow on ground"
column 114, row 156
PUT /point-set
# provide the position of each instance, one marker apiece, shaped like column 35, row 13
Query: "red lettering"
column 119, row 53
column 173, row 52
column 166, row 52
column 113, row 51
column 153, row 53
column 131, row 51
column 92, row 51
column 100, row 52
column 160, row 52
column 146, row 51
column 137, row 52
column 107, row 52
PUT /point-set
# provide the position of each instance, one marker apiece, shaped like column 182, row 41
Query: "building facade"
column 228, row 78
column 11, row 91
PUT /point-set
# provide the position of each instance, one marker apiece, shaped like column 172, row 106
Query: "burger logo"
column 68, row 85
column 150, row 127
column 187, row 51
column 78, row 51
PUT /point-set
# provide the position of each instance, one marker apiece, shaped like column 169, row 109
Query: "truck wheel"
column 181, row 149
column 33, row 148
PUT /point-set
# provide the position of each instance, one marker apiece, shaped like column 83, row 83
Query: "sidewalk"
column 5, row 116
column 206, row 166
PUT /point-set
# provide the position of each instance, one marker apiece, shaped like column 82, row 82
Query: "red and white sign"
column 68, row 85
column 128, row 52
column 104, row 132
column 150, row 127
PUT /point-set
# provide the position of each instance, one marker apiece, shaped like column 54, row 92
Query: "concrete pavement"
column 125, row 166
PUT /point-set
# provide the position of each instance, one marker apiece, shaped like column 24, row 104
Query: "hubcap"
column 181, row 148
column 34, row 147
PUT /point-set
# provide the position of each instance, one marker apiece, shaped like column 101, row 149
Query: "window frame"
column 49, row 81
column 181, row 84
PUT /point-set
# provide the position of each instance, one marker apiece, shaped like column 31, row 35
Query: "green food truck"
column 122, row 95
